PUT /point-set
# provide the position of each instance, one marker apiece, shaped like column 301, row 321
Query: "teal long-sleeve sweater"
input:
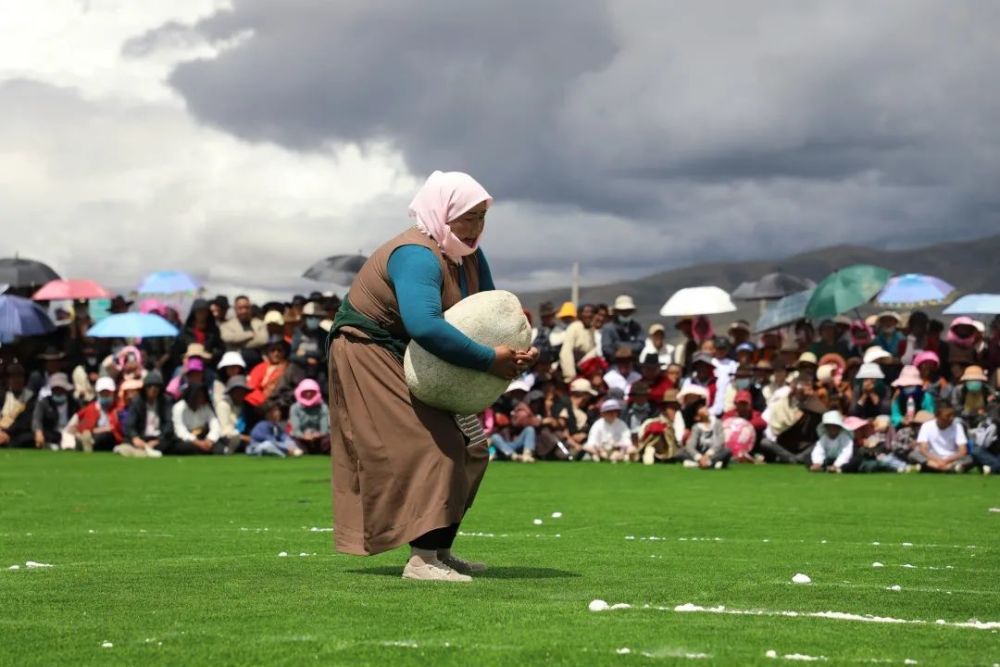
column 416, row 279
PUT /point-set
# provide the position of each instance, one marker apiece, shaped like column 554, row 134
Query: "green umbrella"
column 847, row 289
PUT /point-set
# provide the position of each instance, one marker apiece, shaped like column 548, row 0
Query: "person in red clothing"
column 96, row 425
column 655, row 379
column 743, row 427
column 265, row 376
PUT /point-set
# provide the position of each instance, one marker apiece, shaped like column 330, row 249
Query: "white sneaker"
column 959, row 468
column 688, row 463
column 434, row 571
column 987, row 470
column 527, row 457
column 463, row 566
column 649, row 456
column 154, row 454
column 718, row 465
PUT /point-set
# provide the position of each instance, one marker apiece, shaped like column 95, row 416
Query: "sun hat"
column 870, row 371
column 232, row 359
column 196, row 350
column 874, row 354
column 909, row 377
column 842, row 320
column 582, row 386
column 691, row 389
column 927, row 356
column 745, row 347
column 739, row 325
column 152, row 379
column 834, row 359
column 59, row 381
column 568, row 309
column 971, row 374
column 237, row 382
column 657, row 328
column 104, row 384
column 833, row 418
column 888, row 315
column 743, row 396
column 807, row 358
column 623, row 353
column 51, row 353
column 702, row 357
column 518, row 385
column 274, row 317
column 854, row 423
column 923, row 416
column 611, row 405
column 624, row 302
column 308, row 385
column 979, row 325
column 871, row 321
column 132, row 384
column 651, row 360
column 311, row 309
column 825, row 372
column 670, row 396
column 194, row 364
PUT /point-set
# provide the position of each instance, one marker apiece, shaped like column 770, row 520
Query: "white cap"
column 519, row 385
column 870, row 371
column 105, row 384
column 232, row 359
column 873, row 354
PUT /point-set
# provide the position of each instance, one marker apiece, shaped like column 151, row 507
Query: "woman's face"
column 468, row 227
column 586, row 315
column 201, row 317
column 308, row 395
column 597, row 321
column 233, row 370
column 276, row 354
column 674, row 373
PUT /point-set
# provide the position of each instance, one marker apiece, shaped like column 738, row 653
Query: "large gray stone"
column 490, row 318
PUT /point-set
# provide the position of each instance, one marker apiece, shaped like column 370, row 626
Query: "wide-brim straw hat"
column 974, row 374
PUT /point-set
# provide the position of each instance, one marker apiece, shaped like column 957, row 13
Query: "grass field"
column 176, row 561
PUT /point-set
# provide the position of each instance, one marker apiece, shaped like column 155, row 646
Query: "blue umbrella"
column 975, row 304
column 132, row 325
column 168, row 282
column 915, row 289
column 22, row 317
column 790, row 309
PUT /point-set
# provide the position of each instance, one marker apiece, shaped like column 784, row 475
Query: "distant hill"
column 971, row 266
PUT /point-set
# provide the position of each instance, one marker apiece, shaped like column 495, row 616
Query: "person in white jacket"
column 834, row 450
column 195, row 424
column 610, row 438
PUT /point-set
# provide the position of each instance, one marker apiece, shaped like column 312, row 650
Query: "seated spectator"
column 622, row 330
column 85, row 373
column 916, row 337
column 703, row 375
column 888, row 336
column 792, row 419
column 942, row 444
column 987, row 447
column 654, row 378
column 127, row 392
column 231, row 365
column 266, row 376
column 873, row 445
column 609, row 438
column 95, row 426
column 149, row 429
column 870, row 394
column 973, row 396
column 829, row 342
column 54, row 362
column 745, row 353
column 518, row 440
column 910, row 397
column 705, row 447
column 834, row 450
column 743, row 427
column 53, row 412
column 244, row 333
column 310, row 418
column 17, row 410
column 739, row 333
column 658, row 346
column 196, row 427
column 861, row 338
column 126, row 364
column 270, row 436
column 622, row 374
column 234, row 415
column 934, row 382
column 692, row 397
column 194, row 373
column 743, row 380
column 661, row 437
column 638, row 408
column 574, row 419
column 963, row 344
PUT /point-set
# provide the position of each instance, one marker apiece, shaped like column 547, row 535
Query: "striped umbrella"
column 914, row 289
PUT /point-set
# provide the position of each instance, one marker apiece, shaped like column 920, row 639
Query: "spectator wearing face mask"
column 53, row 412
column 973, row 396
column 95, row 426
column 910, row 397
column 622, row 330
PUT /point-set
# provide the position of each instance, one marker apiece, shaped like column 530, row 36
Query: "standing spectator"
column 739, row 333
column 565, row 317
column 17, row 410
column 541, row 336
column 834, row 450
column 274, row 321
column 243, row 332
column 578, row 343
column 53, row 412
column 916, row 338
column 270, row 436
column 310, row 419
column 725, row 370
column 200, row 328
column 688, row 346
column 149, row 430
column 942, row 443
column 609, row 438
column 657, row 344
column 622, row 330
column 220, row 309
column 195, row 425
column 233, row 415
column 622, row 375
column 95, row 426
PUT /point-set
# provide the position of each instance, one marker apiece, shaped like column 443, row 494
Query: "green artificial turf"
column 175, row 561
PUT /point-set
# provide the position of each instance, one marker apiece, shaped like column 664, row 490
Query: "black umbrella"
column 772, row 286
column 339, row 269
column 25, row 273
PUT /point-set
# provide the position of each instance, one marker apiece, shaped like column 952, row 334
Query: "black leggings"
column 439, row 538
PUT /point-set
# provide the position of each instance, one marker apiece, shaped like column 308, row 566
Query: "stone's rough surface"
column 489, row 318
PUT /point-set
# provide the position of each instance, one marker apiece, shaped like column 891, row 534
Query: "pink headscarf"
column 308, row 385
column 953, row 337
column 444, row 197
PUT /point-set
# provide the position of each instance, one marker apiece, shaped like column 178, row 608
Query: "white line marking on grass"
column 31, row 565
column 107, row 645
column 995, row 510
column 402, row 644
column 314, row 529
column 14, row 567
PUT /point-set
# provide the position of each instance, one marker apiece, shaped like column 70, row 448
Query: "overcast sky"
column 243, row 140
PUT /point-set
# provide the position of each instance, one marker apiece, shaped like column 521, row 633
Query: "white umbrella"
column 706, row 300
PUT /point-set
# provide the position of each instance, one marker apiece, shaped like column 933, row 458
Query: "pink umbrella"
column 65, row 290
column 147, row 306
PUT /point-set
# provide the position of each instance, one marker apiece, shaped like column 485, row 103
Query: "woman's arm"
column 485, row 275
column 416, row 278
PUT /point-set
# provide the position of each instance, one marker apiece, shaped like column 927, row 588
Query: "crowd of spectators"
column 896, row 392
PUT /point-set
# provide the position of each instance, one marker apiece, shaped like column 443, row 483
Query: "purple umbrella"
column 915, row 289
column 22, row 317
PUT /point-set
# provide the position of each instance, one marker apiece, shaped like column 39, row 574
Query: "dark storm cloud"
column 747, row 117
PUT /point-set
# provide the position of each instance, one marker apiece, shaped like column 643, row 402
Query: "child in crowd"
column 639, row 408
column 834, row 450
column 706, row 447
column 310, row 418
column 610, row 438
column 270, row 436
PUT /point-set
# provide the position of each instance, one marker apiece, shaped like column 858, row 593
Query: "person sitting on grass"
column 234, row 415
column 520, row 440
column 660, row 437
column 910, row 397
column 574, row 420
column 834, row 450
column 639, row 408
column 609, row 438
column 942, row 444
column 310, row 418
column 622, row 375
column 873, row 442
column 987, row 451
column 195, row 424
column 95, row 426
column 149, row 428
column 270, row 436
column 16, row 409
column 706, row 447
column 53, row 412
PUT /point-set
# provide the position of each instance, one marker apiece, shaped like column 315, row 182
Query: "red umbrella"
column 62, row 290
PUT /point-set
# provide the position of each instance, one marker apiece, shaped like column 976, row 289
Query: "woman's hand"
column 506, row 362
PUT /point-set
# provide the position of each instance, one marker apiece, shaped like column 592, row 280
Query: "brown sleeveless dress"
column 400, row 468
